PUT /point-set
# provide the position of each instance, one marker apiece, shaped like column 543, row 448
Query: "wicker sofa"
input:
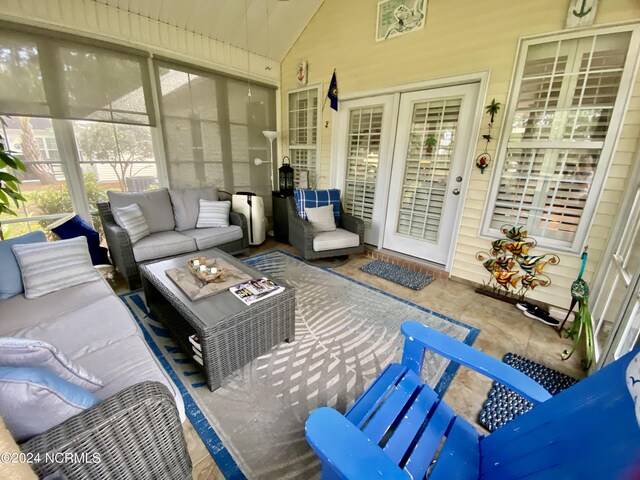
column 166, row 240
column 136, row 429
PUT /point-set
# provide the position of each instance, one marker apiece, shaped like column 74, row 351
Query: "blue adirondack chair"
column 395, row 429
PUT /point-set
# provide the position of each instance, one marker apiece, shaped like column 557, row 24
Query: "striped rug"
column 346, row 332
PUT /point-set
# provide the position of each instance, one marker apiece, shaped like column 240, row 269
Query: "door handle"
column 456, row 191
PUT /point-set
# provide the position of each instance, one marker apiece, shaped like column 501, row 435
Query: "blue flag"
column 332, row 94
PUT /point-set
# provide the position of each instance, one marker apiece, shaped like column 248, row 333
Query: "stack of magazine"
column 253, row 291
column 196, row 348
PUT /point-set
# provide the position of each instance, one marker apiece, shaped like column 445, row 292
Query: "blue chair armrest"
column 419, row 337
column 345, row 449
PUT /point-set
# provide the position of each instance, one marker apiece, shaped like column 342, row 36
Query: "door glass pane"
column 363, row 144
column 429, row 155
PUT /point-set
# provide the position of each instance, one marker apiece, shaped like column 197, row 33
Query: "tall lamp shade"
column 270, row 135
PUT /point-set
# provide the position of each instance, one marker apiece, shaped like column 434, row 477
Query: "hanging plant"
column 10, row 195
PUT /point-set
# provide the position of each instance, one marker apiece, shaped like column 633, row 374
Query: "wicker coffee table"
column 231, row 333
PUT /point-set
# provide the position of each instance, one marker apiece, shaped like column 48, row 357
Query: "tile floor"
column 502, row 329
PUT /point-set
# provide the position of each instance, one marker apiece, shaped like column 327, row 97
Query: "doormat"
column 346, row 333
column 503, row 404
column 397, row 274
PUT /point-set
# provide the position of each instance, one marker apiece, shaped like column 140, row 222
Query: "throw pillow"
column 317, row 198
column 33, row 400
column 213, row 214
column 52, row 266
column 74, row 226
column 26, row 352
column 155, row 205
column 11, row 280
column 133, row 221
column 321, row 218
column 186, row 205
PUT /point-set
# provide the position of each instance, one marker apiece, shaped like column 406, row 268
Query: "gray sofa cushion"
column 210, row 237
column 93, row 326
column 335, row 240
column 135, row 364
column 155, row 205
column 163, row 244
column 186, row 205
column 51, row 266
column 19, row 314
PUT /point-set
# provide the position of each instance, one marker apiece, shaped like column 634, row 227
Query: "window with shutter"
column 303, row 133
column 562, row 123
column 365, row 128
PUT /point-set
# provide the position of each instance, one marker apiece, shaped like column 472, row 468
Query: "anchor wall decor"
column 581, row 13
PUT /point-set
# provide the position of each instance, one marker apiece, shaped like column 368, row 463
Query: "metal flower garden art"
column 513, row 270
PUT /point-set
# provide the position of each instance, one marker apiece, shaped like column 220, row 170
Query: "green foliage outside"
column 56, row 199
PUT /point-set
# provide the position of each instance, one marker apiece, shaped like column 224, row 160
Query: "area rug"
column 398, row 274
column 346, row 332
column 503, row 404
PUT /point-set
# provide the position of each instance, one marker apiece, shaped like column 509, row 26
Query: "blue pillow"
column 33, row 400
column 77, row 227
column 317, row 198
column 11, row 278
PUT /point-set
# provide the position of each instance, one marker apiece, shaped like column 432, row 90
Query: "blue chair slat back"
column 371, row 399
column 389, row 413
column 588, row 428
column 407, row 430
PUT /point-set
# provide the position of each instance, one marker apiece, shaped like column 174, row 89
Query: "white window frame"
column 313, row 182
column 608, row 147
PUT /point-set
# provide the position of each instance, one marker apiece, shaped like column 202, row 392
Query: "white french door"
column 433, row 142
column 365, row 136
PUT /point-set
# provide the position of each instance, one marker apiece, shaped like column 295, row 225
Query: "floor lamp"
column 270, row 135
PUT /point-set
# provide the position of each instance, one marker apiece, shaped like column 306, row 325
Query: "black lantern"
column 285, row 174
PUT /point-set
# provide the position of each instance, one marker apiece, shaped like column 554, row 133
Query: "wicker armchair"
column 134, row 434
column 121, row 250
column 301, row 234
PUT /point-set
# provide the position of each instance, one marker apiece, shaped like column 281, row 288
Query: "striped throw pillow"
column 213, row 214
column 133, row 221
column 51, row 266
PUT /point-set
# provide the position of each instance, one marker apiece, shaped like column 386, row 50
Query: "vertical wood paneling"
column 459, row 37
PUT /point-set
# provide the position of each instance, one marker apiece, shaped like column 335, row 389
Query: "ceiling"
column 227, row 20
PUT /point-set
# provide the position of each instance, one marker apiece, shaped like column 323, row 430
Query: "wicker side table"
column 231, row 333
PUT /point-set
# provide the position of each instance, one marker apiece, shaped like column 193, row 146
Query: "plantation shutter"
column 365, row 127
column 564, row 106
column 303, row 133
column 44, row 77
column 431, row 145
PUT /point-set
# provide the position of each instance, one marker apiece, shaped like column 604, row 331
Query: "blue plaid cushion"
column 317, row 198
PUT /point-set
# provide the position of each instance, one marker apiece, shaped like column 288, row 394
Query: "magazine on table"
column 196, row 348
column 257, row 289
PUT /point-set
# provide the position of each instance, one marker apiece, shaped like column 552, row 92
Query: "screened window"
column 213, row 130
column 303, row 134
column 560, row 135
column 79, row 118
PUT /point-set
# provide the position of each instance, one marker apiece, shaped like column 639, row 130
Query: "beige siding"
column 136, row 28
column 460, row 37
